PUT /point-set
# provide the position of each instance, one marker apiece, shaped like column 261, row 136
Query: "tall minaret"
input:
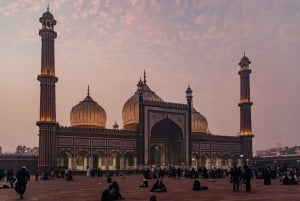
column 245, row 109
column 47, row 123
column 189, row 98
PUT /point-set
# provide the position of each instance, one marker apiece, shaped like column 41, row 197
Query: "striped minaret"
column 47, row 123
column 245, row 104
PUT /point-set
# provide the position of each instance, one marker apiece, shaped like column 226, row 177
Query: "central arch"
column 166, row 144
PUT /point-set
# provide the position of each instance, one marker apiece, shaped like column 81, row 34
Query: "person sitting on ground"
column 144, row 184
column 69, row 175
column 197, row 186
column 286, row 180
column 294, row 180
column 158, row 186
column 105, row 195
column 114, row 191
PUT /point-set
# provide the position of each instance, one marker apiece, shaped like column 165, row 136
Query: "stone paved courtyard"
column 89, row 189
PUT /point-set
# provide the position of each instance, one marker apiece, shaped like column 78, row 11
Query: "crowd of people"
column 238, row 176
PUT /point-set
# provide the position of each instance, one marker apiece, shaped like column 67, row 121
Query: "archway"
column 166, row 144
column 216, row 161
column 114, row 161
column 205, row 161
column 82, row 160
column 129, row 160
column 195, row 161
column 157, row 156
column 227, row 162
column 99, row 160
column 65, row 159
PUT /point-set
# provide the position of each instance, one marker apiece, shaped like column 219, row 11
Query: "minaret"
column 47, row 123
column 189, row 98
column 245, row 109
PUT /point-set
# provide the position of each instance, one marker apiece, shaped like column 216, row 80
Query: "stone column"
column 74, row 163
column 122, row 163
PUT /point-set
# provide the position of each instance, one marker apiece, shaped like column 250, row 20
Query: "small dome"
column 199, row 122
column 88, row 113
column 48, row 17
column 130, row 111
column 244, row 61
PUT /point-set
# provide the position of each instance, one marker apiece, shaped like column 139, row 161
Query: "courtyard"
column 85, row 188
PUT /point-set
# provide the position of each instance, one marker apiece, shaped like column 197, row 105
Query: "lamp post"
column 247, row 161
column 241, row 156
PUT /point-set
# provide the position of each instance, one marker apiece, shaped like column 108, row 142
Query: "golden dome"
column 130, row 111
column 199, row 122
column 88, row 113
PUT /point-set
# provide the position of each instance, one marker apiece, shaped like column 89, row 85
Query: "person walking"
column 22, row 178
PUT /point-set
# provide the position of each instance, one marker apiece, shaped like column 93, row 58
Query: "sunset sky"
column 107, row 44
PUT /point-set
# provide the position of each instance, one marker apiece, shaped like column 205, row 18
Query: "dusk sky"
column 107, row 44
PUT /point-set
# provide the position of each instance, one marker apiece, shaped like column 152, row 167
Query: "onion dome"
column 199, row 122
column 88, row 113
column 130, row 111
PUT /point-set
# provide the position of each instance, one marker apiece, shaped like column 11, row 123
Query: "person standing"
column 247, row 177
column 235, row 178
column 267, row 176
column 22, row 178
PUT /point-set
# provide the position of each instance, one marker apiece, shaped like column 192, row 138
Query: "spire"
column 48, row 8
column 88, row 93
column 144, row 77
column 244, row 54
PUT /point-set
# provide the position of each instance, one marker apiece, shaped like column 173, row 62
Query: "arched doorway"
column 82, row 160
column 216, row 161
column 99, row 160
column 205, row 161
column 129, row 160
column 157, row 156
column 166, row 144
column 113, row 161
column 227, row 162
column 195, row 161
column 65, row 159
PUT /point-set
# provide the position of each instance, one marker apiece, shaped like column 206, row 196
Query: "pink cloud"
column 133, row 2
column 130, row 19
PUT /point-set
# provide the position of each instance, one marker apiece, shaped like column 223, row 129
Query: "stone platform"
column 85, row 188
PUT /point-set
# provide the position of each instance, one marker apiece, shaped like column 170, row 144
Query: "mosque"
column 155, row 132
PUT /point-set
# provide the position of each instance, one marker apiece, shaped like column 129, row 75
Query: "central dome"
column 130, row 111
column 88, row 113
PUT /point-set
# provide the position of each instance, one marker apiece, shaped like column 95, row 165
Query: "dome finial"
column 88, row 92
column 144, row 77
column 48, row 8
column 244, row 54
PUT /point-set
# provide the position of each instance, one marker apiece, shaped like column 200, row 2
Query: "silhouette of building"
column 155, row 132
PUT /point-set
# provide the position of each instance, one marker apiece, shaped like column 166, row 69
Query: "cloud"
column 133, row 2
column 200, row 19
column 78, row 3
column 130, row 19
column 10, row 9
